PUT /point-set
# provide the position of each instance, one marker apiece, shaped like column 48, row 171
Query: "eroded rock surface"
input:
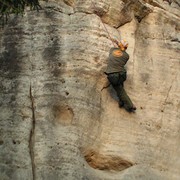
column 56, row 119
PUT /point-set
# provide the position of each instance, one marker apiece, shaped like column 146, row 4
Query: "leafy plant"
column 8, row 7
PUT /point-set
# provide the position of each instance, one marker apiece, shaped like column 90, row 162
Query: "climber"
column 116, row 73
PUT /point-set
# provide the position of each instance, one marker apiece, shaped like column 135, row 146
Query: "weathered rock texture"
column 57, row 123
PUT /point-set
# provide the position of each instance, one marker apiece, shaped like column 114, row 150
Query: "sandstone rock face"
column 56, row 119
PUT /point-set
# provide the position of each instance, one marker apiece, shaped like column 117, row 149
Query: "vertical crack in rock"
column 31, row 138
column 165, row 101
column 167, row 96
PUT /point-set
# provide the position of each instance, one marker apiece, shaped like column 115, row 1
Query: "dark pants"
column 117, row 81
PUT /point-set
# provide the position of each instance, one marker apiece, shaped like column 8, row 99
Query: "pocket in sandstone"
column 106, row 162
column 63, row 114
column 69, row 2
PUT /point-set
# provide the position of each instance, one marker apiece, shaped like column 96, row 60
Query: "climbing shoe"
column 132, row 109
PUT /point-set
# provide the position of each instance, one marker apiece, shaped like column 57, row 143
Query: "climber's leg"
column 121, row 104
column 116, row 81
column 124, row 98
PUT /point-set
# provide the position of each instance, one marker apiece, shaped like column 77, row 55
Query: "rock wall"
column 57, row 121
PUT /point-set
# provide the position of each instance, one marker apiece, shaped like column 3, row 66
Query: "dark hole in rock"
column 67, row 93
column 1, row 142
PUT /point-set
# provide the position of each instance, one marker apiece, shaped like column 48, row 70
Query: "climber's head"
column 123, row 45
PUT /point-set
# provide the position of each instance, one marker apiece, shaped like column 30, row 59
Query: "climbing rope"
column 105, row 27
column 109, row 34
column 119, row 34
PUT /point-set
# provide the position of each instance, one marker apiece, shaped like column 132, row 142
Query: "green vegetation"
column 8, row 7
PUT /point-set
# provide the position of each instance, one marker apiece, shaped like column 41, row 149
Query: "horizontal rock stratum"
column 58, row 118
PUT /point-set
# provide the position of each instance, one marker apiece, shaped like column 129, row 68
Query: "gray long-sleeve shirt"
column 117, row 60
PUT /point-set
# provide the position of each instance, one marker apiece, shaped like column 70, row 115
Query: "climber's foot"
column 132, row 109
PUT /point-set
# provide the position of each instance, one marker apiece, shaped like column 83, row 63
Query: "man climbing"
column 116, row 73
